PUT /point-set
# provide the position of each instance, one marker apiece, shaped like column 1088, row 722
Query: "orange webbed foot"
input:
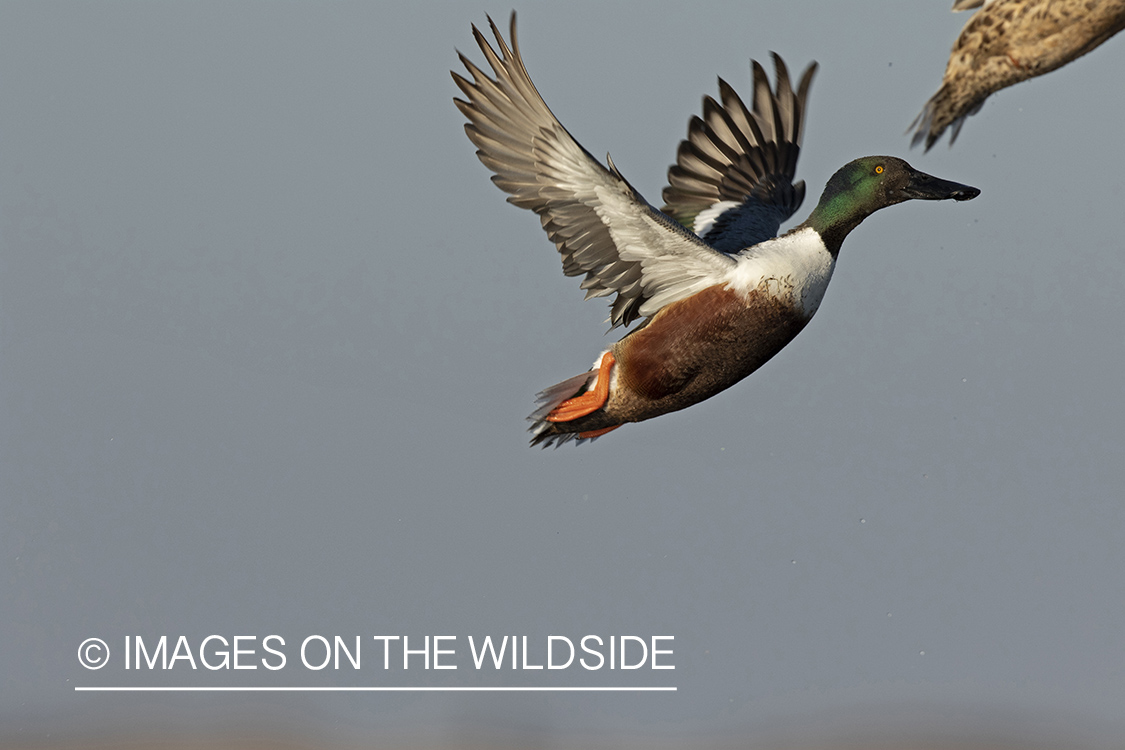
column 590, row 401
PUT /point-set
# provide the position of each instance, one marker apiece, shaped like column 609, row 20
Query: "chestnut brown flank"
column 697, row 347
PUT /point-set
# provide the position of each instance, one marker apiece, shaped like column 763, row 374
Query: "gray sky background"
column 268, row 336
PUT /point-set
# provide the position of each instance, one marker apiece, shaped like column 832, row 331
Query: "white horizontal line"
column 380, row 688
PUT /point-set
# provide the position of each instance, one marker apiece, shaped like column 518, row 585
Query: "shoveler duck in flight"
column 1008, row 41
column 718, row 293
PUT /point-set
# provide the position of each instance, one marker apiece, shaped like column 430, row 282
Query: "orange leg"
column 590, row 401
column 598, row 433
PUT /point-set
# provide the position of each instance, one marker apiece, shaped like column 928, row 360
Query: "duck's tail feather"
column 582, row 428
column 545, row 433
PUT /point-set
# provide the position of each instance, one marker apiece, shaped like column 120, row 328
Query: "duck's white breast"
column 795, row 265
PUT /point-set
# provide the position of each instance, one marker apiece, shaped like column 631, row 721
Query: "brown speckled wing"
column 1009, row 41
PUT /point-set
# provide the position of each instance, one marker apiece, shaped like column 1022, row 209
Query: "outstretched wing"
column 732, row 183
column 602, row 227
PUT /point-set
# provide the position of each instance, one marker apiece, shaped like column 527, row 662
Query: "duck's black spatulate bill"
column 926, row 187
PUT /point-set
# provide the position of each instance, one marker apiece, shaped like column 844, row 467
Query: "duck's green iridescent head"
column 862, row 187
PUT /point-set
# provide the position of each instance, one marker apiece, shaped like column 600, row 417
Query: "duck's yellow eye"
column 879, row 169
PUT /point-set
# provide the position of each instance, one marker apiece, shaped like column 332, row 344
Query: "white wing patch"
column 673, row 266
column 707, row 217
